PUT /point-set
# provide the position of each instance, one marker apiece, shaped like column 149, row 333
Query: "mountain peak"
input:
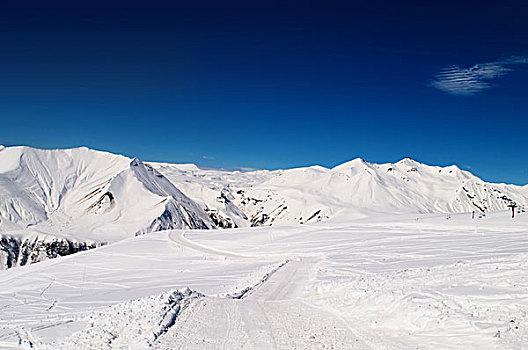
column 135, row 162
column 408, row 161
column 354, row 163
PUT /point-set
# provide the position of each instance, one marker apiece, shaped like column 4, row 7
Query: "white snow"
column 355, row 189
column 10, row 158
column 87, row 195
column 395, row 282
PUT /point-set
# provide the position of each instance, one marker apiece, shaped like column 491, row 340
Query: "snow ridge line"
column 249, row 290
column 177, row 302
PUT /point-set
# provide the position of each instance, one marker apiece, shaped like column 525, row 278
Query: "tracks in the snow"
column 180, row 239
column 268, row 315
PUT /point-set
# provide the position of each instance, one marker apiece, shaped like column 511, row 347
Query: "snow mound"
column 135, row 324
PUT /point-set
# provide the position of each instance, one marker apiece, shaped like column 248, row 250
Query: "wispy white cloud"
column 208, row 157
column 246, row 169
column 458, row 80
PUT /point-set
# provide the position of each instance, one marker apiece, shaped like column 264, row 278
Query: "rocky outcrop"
column 180, row 211
column 220, row 221
column 176, row 217
column 16, row 251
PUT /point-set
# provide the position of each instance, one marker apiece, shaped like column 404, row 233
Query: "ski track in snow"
column 179, row 238
column 274, row 316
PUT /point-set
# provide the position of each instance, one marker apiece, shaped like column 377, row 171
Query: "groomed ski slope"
column 427, row 282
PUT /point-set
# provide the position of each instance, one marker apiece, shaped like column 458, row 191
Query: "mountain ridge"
column 96, row 197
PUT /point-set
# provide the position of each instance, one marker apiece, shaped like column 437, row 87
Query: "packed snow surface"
column 403, row 281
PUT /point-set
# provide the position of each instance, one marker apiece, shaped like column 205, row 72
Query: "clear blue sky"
column 271, row 84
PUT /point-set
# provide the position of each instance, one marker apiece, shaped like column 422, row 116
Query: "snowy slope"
column 215, row 190
column 415, row 281
column 82, row 198
column 351, row 190
column 81, row 193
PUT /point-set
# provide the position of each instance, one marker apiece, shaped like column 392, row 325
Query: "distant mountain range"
column 57, row 202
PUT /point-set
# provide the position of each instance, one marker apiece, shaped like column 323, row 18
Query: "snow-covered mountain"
column 56, row 202
column 352, row 190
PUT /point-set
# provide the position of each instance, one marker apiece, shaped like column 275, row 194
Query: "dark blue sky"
column 271, row 84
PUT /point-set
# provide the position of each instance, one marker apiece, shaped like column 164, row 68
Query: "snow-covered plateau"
column 102, row 251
